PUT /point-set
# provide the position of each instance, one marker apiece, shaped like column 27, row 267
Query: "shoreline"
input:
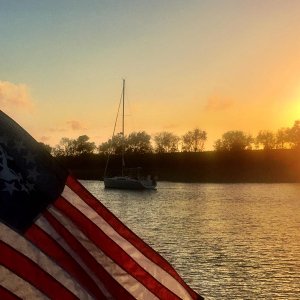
column 251, row 166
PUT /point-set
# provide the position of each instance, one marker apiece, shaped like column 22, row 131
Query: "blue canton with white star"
column 30, row 178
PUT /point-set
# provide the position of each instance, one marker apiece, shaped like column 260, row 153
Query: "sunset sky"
column 216, row 65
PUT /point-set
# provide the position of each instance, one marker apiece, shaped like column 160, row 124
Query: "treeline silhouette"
column 238, row 157
column 167, row 142
column 278, row 165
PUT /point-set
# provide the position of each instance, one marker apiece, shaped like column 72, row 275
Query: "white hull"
column 127, row 183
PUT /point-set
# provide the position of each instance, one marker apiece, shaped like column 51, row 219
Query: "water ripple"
column 228, row 241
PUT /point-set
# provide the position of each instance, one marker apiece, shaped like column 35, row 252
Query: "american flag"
column 57, row 241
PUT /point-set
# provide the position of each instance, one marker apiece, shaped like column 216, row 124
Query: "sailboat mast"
column 123, row 128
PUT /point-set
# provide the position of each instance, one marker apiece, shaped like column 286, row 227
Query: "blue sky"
column 216, row 65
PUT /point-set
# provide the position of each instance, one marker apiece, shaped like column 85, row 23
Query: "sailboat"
column 127, row 181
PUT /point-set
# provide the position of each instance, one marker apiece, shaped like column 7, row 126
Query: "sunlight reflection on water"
column 230, row 241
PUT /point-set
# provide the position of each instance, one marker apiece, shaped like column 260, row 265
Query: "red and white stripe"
column 79, row 250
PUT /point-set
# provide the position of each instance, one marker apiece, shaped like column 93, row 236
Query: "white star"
column 24, row 188
column 9, row 187
column 33, row 174
column 20, row 177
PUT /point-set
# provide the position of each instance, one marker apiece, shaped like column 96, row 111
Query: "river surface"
column 228, row 241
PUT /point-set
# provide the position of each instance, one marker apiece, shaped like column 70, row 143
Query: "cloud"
column 15, row 96
column 76, row 125
column 218, row 103
column 72, row 125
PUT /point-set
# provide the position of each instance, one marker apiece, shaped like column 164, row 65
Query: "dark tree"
column 294, row 135
column 234, row 141
column 65, row 147
column 70, row 147
column 113, row 145
column 138, row 142
column 83, row 146
column 193, row 141
column 283, row 140
column 166, row 142
column 266, row 139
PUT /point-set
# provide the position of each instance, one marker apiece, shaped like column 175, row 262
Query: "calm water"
column 228, row 241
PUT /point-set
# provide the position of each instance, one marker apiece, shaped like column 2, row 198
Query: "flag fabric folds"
column 57, row 241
